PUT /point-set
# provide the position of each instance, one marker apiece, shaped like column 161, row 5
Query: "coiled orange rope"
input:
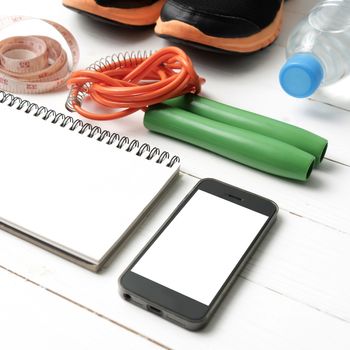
column 135, row 84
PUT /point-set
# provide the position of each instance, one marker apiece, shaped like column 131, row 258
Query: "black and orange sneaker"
column 135, row 13
column 222, row 25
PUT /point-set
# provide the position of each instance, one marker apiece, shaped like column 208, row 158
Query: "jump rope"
column 165, row 86
column 135, row 82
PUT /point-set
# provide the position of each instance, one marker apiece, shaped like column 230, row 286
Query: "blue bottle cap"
column 301, row 75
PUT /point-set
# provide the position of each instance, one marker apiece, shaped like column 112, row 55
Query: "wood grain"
column 31, row 317
column 283, row 288
column 294, row 292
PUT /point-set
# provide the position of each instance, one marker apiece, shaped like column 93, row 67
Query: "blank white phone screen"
column 199, row 249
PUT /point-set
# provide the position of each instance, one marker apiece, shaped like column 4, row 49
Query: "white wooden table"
column 294, row 293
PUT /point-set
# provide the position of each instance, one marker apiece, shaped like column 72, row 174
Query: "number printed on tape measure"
column 35, row 64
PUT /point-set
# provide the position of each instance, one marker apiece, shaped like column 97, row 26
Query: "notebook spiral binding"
column 125, row 59
column 88, row 129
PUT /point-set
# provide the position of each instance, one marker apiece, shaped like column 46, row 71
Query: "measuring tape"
column 35, row 64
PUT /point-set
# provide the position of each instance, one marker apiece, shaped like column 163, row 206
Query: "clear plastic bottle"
column 318, row 49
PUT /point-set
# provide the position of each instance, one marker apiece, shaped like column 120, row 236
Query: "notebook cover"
column 69, row 193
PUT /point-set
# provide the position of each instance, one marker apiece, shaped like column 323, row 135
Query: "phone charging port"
column 154, row 310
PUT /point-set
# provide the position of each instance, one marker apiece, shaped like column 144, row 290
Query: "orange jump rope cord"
column 135, row 83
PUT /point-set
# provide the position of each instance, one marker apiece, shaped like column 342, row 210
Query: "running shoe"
column 135, row 13
column 222, row 25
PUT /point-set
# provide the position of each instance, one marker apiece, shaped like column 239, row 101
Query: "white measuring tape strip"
column 35, row 64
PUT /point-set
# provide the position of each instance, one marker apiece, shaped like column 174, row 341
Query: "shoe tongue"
column 126, row 4
column 259, row 12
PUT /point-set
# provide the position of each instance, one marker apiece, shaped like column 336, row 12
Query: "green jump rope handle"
column 239, row 118
column 244, row 146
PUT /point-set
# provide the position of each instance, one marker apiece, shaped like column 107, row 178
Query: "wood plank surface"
column 294, row 292
column 33, row 318
column 284, row 287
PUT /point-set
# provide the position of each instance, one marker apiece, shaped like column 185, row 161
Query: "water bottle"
column 318, row 49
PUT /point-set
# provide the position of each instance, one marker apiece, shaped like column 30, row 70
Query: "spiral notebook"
column 72, row 188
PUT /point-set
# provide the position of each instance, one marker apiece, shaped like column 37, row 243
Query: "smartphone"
column 186, row 269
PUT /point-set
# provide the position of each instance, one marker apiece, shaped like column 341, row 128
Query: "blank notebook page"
column 69, row 190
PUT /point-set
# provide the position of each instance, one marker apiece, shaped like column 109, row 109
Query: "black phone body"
column 186, row 269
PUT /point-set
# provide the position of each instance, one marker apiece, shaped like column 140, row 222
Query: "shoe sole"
column 188, row 34
column 135, row 17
